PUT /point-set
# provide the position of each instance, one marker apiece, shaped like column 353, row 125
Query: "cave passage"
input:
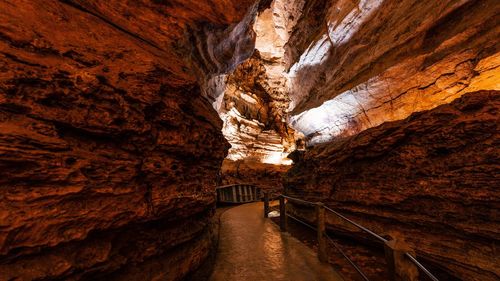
column 121, row 122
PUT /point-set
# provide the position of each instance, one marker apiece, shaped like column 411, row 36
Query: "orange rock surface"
column 432, row 179
column 108, row 151
column 110, row 126
column 357, row 64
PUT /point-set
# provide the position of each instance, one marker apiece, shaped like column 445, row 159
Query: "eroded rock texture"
column 356, row 64
column 431, row 178
column 108, row 151
column 253, row 99
column 253, row 121
column 254, row 125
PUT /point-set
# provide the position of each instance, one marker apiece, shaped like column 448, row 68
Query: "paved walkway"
column 252, row 248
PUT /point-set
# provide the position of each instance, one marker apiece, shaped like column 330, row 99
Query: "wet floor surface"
column 252, row 248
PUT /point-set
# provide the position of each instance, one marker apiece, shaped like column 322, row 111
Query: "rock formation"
column 266, row 176
column 113, row 116
column 108, row 151
column 253, row 103
column 431, row 178
column 253, row 100
column 253, row 124
column 356, row 64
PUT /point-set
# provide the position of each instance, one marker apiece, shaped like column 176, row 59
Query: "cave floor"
column 252, row 248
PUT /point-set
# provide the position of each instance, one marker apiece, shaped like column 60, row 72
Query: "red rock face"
column 108, row 151
column 431, row 178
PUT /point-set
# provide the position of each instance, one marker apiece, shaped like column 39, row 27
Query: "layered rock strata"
column 253, row 100
column 431, row 179
column 252, row 122
column 356, row 64
column 108, row 151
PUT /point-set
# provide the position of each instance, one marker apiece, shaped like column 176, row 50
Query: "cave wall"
column 354, row 69
column 431, row 179
column 109, row 152
column 266, row 176
column 356, row 64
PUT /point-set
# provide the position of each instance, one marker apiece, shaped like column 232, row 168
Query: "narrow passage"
column 252, row 248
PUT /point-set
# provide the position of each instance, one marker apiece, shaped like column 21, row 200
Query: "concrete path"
column 252, row 248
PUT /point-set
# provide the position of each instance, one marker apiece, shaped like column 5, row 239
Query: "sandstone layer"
column 109, row 152
column 356, row 64
column 431, row 179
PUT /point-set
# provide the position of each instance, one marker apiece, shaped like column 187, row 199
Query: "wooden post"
column 266, row 204
column 320, row 218
column 283, row 217
column 400, row 267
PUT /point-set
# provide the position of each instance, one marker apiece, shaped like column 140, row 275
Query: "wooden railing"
column 398, row 267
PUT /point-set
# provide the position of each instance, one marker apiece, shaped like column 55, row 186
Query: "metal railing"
column 321, row 225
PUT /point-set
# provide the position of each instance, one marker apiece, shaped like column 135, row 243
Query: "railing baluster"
column 233, row 189
column 283, row 217
column 266, row 204
column 320, row 217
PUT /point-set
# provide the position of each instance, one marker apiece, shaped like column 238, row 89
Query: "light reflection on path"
column 252, row 248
